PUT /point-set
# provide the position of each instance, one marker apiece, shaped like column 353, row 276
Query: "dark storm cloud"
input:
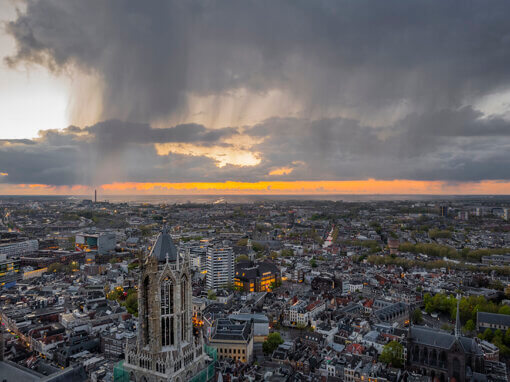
column 446, row 145
column 363, row 55
column 431, row 61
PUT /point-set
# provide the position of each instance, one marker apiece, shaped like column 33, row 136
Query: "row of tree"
column 436, row 264
column 436, row 250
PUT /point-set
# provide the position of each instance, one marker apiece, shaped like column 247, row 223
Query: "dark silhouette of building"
column 443, row 356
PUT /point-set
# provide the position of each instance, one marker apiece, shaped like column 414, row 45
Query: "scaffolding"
column 208, row 372
column 121, row 375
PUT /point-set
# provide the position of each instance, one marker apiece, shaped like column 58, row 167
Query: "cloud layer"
column 384, row 90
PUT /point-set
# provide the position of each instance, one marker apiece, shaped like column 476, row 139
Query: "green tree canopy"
column 242, row 258
column 211, row 295
column 272, row 343
column 392, row 354
column 417, row 316
column 470, row 326
column 132, row 303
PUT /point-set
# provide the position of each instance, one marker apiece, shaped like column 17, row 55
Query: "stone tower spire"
column 166, row 349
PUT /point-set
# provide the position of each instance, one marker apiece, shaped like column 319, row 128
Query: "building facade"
column 220, row 267
column 261, row 277
column 233, row 340
column 19, row 248
column 166, row 349
column 9, row 271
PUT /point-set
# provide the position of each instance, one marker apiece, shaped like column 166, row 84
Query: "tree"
column 271, row 344
column 392, row 354
column 470, row 326
column 257, row 247
column 54, row 268
column 487, row 334
column 211, row 295
column 507, row 337
column 242, row 258
column 132, row 303
column 313, row 263
column 242, row 242
column 505, row 309
column 417, row 316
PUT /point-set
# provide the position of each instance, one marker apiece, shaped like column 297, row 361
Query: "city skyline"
column 272, row 98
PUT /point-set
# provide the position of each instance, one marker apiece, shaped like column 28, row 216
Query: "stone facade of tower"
column 166, row 349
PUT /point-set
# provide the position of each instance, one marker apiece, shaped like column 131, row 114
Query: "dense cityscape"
column 254, row 190
column 273, row 290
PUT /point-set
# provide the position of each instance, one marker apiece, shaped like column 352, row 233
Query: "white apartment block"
column 220, row 267
column 19, row 248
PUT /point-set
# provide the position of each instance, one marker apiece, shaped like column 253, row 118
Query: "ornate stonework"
column 166, row 349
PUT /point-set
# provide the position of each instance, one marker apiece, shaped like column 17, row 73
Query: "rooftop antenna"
column 95, row 196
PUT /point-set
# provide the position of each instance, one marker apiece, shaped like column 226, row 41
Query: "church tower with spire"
column 166, row 349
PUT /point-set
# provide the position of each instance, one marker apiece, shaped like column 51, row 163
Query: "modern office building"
column 9, row 271
column 261, row 277
column 220, row 266
column 102, row 243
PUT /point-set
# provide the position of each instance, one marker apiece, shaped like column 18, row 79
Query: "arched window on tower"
column 167, row 312
column 145, row 297
column 184, row 308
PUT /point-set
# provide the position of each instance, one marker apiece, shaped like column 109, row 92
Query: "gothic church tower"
column 166, row 349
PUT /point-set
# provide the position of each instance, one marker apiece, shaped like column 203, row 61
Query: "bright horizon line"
column 277, row 188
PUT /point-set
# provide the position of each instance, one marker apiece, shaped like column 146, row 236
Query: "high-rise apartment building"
column 220, row 266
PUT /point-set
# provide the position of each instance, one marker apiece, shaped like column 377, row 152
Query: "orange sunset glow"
column 370, row 186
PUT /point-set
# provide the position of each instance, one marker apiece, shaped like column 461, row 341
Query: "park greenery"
column 468, row 307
